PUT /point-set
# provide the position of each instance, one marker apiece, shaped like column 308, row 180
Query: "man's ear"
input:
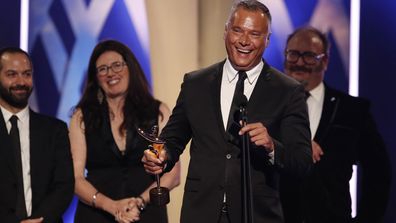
column 325, row 60
column 268, row 40
column 225, row 31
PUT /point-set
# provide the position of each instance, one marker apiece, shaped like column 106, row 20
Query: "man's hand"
column 258, row 135
column 34, row 220
column 153, row 164
column 317, row 152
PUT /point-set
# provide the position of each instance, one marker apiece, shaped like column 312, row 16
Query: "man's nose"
column 244, row 40
column 300, row 61
column 21, row 79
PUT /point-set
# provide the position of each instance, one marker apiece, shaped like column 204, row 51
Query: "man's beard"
column 15, row 100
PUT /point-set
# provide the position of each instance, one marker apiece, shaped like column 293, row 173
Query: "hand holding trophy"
column 159, row 196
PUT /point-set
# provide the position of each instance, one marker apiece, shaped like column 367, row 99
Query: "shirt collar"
column 252, row 74
column 318, row 92
column 23, row 115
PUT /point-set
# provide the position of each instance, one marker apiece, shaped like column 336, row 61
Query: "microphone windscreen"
column 241, row 100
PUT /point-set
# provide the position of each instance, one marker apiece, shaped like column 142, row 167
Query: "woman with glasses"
column 111, row 182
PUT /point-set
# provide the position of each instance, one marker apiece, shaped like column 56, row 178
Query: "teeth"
column 115, row 81
column 243, row 51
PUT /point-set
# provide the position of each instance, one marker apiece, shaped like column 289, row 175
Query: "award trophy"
column 159, row 196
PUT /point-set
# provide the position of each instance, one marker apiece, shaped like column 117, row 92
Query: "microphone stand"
column 247, row 211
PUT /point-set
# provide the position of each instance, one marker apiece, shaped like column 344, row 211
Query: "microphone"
column 239, row 114
column 241, row 101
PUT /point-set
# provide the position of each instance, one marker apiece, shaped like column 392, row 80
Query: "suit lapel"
column 6, row 147
column 260, row 91
column 330, row 105
column 215, row 82
column 36, row 131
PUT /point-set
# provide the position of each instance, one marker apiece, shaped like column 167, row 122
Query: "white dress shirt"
column 23, row 127
column 315, row 107
column 228, row 84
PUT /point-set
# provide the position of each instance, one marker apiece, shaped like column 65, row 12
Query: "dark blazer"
column 278, row 102
column 51, row 170
column 347, row 134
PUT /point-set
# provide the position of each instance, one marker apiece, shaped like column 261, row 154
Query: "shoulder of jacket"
column 204, row 72
column 349, row 100
column 46, row 119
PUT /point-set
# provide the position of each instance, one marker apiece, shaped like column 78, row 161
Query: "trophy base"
column 159, row 196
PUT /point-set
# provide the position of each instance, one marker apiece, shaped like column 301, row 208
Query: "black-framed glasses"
column 308, row 57
column 116, row 67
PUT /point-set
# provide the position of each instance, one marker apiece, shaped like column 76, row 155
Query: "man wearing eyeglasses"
column 343, row 133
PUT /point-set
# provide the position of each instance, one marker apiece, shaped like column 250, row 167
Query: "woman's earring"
column 100, row 96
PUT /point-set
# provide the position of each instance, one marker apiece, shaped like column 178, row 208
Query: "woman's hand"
column 127, row 210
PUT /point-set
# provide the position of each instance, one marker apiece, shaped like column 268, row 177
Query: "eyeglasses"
column 116, row 67
column 309, row 58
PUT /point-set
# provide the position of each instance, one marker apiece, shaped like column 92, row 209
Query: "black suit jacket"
column 347, row 134
column 278, row 102
column 51, row 170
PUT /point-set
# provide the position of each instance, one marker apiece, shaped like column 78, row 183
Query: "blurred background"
column 173, row 37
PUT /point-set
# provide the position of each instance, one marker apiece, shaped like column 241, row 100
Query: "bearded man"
column 36, row 170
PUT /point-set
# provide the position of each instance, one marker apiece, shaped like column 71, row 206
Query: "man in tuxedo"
column 36, row 170
column 277, row 128
column 343, row 134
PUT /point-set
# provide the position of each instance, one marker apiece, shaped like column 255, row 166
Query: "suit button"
column 228, row 156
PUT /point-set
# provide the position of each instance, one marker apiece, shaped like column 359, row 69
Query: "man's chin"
column 299, row 79
column 303, row 82
column 299, row 74
column 18, row 101
column 21, row 103
column 244, row 64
